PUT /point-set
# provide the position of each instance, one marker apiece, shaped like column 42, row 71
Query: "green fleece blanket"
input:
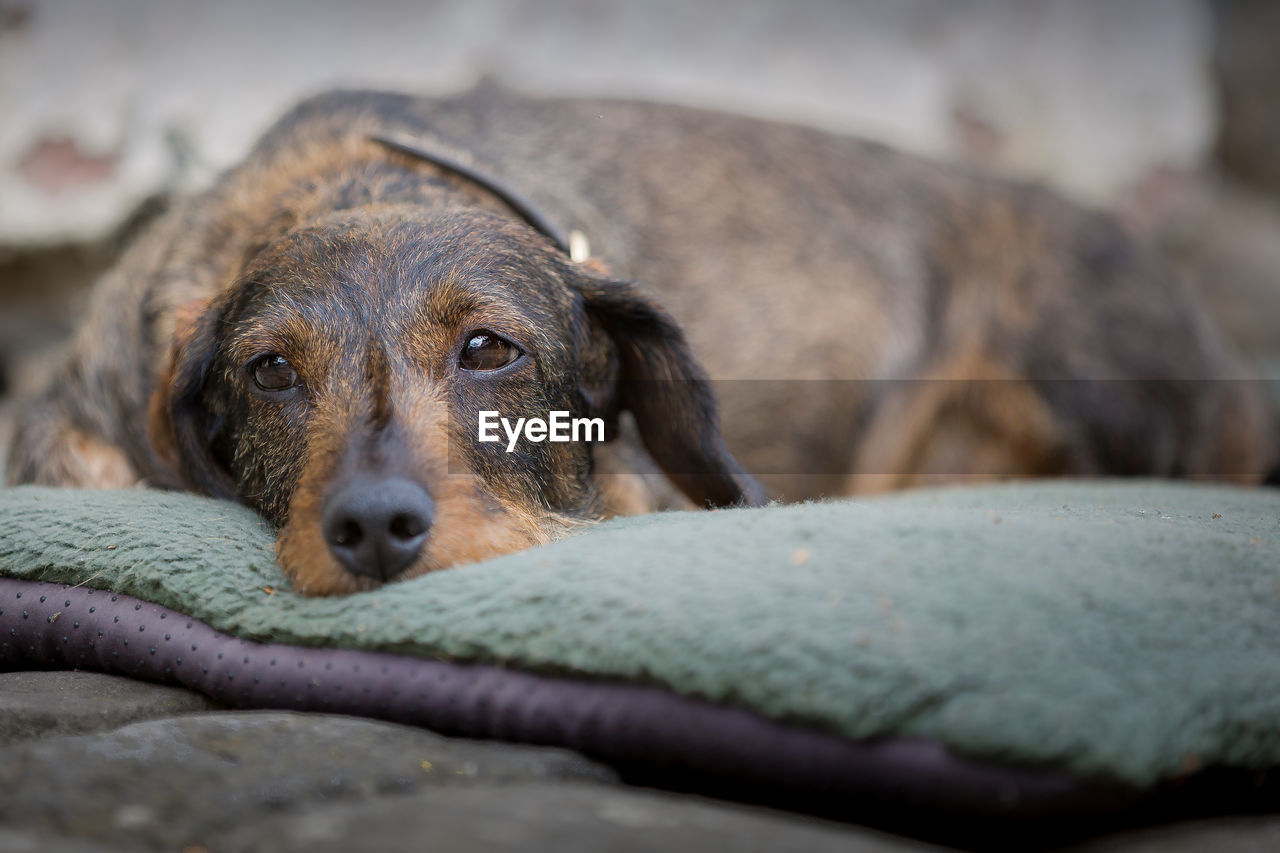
column 1125, row 632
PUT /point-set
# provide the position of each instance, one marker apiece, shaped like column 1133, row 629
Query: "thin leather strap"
column 513, row 198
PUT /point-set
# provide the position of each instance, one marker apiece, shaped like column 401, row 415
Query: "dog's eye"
column 485, row 350
column 273, row 373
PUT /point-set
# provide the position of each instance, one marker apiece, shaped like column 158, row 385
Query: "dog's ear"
column 665, row 389
column 181, row 428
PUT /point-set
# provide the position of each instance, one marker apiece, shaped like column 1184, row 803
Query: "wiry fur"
column 871, row 320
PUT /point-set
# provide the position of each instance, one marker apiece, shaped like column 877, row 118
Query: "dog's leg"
column 49, row 450
column 966, row 421
column 627, row 479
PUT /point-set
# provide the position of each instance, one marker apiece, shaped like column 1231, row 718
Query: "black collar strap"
column 572, row 243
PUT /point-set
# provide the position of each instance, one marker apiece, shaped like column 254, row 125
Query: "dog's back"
column 866, row 313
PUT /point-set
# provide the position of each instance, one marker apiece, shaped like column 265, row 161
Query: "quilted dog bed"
column 1033, row 652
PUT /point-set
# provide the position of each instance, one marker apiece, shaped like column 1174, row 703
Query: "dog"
column 320, row 334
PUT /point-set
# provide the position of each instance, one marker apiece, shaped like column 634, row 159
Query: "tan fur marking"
column 968, row 420
column 89, row 463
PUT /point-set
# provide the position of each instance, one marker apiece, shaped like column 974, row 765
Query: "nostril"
column 405, row 526
column 347, row 534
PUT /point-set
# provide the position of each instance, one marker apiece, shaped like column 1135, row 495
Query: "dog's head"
column 337, row 388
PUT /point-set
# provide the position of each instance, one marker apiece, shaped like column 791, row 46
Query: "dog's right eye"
column 273, row 373
column 485, row 350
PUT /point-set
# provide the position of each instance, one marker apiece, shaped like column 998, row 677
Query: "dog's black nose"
column 376, row 526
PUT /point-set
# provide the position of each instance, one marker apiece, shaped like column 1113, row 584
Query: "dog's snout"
column 377, row 526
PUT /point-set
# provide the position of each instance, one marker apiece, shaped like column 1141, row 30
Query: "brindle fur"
column 893, row 322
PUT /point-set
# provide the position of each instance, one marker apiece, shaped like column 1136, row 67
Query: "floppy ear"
column 667, row 392
column 182, row 429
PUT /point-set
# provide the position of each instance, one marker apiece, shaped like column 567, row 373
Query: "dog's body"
column 871, row 320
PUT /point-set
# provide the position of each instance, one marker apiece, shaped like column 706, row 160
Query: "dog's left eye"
column 485, row 350
column 273, row 373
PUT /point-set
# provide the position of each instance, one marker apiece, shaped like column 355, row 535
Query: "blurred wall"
column 106, row 102
column 1248, row 66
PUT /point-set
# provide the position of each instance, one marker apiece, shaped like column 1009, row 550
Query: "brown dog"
column 319, row 334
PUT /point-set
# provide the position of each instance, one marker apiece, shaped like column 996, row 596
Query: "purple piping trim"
column 47, row 625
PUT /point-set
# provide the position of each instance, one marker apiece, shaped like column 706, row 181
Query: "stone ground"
column 98, row 763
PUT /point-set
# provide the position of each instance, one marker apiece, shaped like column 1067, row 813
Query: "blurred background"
column 1165, row 112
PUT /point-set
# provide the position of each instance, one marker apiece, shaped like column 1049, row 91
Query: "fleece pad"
column 1123, row 634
